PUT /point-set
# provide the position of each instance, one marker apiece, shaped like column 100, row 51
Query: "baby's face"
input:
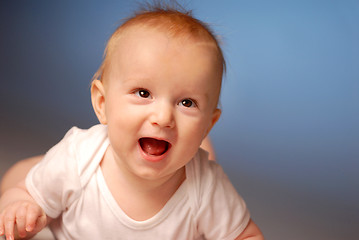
column 160, row 101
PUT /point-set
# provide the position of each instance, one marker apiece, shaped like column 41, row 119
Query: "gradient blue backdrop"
column 289, row 133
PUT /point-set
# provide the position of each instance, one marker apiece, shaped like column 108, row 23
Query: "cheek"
column 122, row 132
column 119, row 111
column 191, row 133
column 189, row 144
column 123, row 124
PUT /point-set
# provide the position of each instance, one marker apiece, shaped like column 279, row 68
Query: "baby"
column 141, row 173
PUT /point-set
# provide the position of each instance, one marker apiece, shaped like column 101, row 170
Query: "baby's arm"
column 251, row 232
column 20, row 215
column 17, row 173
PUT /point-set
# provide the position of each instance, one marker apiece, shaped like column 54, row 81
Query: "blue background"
column 289, row 134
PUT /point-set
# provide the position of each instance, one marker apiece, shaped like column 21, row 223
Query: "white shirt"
column 69, row 185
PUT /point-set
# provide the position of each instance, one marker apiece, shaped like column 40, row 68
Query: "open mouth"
column 153, row 146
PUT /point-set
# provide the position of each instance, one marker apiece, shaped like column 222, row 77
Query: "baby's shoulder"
column 89, row 146
column 82, row 138
column 203, row 174
column 80, row 151
column 203, row 169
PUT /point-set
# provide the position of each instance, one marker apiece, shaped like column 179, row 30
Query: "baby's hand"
column 22, row 218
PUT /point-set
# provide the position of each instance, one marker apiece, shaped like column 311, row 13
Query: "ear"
column 98, row 100
column 215, row 116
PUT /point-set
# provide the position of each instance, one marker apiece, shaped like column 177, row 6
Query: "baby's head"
column 158, row 89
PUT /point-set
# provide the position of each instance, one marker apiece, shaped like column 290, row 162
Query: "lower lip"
column 151, row 158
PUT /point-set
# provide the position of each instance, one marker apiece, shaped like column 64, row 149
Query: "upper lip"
column 158, row 138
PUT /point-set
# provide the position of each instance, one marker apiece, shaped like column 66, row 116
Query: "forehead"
column 139, row 43
column 146, row 40
column 152, row 53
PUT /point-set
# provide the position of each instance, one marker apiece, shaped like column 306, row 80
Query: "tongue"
column 153, row 146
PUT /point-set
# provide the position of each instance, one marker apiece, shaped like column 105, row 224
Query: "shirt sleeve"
column 54, row 182
column 222, row 212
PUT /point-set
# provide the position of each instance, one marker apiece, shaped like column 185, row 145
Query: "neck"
column 139, row 198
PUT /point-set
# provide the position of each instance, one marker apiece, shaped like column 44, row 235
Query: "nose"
column 163, row 115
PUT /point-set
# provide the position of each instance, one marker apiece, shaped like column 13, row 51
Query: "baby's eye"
column 143, row 93
column 188, row 103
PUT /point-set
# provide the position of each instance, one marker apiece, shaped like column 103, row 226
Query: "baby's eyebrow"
column 136, row 80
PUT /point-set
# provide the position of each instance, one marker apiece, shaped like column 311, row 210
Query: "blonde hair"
column 170, row 18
